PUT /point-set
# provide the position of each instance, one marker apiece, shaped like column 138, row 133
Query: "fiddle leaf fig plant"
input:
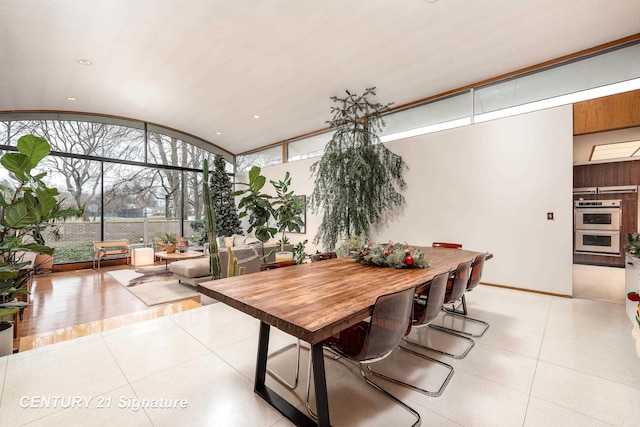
column 256, row 205
column 288, row 209
column 27, row 207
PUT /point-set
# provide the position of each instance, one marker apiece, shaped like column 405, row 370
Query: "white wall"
column 488, row 186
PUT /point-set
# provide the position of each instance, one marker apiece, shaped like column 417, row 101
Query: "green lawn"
column 73, row 254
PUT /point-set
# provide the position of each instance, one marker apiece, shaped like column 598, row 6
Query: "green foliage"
column 299, row 254
column 29, row 207
column 288, row 208
column 633, row 244
column 224, row 205
column 13, row 279
column 394, row 255
column 73, row 254
column 256, row 205
column 31, row 149
column 210, row 217
column 197, row 225
column 357, row 180
column 26, row 209
column 349, row 245
column 169, row 238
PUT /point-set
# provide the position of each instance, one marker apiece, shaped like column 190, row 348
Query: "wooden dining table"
column 315, row 301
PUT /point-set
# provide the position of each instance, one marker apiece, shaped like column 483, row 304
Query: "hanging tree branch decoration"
column 357, row 180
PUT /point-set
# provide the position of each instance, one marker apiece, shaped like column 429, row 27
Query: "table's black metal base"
column 294, row 415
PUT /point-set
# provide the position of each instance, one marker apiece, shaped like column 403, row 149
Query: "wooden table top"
column 316, row 300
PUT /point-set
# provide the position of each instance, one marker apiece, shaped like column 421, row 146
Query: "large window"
column 603, row 73
column 443, row 113
column 608, row 68
column 131, row 184
column 312, row 146
column 263, row 158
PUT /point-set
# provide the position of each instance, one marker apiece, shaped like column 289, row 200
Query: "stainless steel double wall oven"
column 598, row 225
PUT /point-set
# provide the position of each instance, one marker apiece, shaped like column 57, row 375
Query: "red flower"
column 633, row 296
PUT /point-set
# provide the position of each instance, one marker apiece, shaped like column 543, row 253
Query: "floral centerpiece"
column 395, row 255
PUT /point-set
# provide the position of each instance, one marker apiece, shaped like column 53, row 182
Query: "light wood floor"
column 68, row 299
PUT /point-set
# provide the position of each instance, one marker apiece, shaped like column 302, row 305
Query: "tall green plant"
column 256, row 205
column 224, row 204
column 27, row 207
column 288, row 208
column 357, row 180
column 210, row 217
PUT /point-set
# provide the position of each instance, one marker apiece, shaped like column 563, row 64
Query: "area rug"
column 154, row 286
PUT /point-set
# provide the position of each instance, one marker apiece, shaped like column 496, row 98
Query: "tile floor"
column 599, row 283
column 545, row 361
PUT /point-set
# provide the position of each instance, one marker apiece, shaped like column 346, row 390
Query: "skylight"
column 616, row 150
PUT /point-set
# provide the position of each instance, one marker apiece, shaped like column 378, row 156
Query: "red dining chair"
column 427, row 304
column 461, row 310
column 446, row 245
column 370, row 341
column 456, row 286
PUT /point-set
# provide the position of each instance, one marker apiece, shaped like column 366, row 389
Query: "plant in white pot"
column 288, row 210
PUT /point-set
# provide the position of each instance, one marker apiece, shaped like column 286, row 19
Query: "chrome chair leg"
column 276, row 376
column 372, row 384
column 463, row 314
column 392, row 397
column 413, row 387
column 446, row 353
column 299, row 347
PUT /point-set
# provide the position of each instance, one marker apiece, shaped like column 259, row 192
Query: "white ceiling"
column 207, row 66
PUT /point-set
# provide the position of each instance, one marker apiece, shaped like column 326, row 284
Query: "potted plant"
column 27, row 207
column 299, row 252
column 287, row 213
column 358, row 180
column 169, row 241
column 256, row 206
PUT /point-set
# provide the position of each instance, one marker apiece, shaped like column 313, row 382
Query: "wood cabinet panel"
column 606, row 175
column 607, row 113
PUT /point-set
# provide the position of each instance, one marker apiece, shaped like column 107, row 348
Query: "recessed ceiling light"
column 255, row 116
column 71, row 98
column 218, row 133
column 84, row 62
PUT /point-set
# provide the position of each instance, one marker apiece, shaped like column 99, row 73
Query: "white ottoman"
column 142, row 256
